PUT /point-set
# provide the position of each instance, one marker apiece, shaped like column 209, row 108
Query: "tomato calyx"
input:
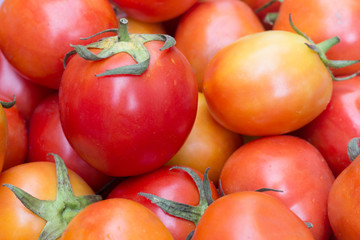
column 321, row 48
column 353, row 149
column 59, row 212
column 8, row 104
column 133, row 44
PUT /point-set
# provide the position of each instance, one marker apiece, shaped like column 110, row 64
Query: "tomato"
column 17, row 138
column 126, row 124
column 289, row 164
column 325, row 19
column 209, row 144
column 116, row 219
column 3, row 137
column 154, row 10
column 250, row 215
column 171, row 184
column 257, row 4
column 344, row 202
column 266, row 83
column 28, row 94
column 331, row 131
column 39, row 180
column 46, row 136
column 48, row 29
column 211, row 25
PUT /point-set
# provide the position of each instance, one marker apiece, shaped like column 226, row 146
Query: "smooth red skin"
column 250, row 215
column 154, row 10
column 332, row 130
column 210, row 26
column 46, row 136
column 289, row 164
column 17, row 140
column 28, row 94
column 175, row 185
column 127, row 125
column 344, row 202
column 121, row 219
column 35, row 37
column 3, row 137
column 324, row 19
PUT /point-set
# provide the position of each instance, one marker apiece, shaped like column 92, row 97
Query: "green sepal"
column 59, row 212
column 353, row 150
column 8, row 104
column 132, row 44
column 185, row 211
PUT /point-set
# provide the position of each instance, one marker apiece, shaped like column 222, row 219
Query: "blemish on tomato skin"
column 172, row 60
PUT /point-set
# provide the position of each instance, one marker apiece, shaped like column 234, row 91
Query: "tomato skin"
column 144, row 119
column 266, row 83
column 46, row 136
column 175, row 185
column 38, row 179
column 344, row 202
column 256, row 4
column 116, row 219
column 154, row 10
column 17, row 141
column 28, row 94
column 251, row 215
column 289, row 164
column 211, row 25
column 325, row 19
column 331, row 131
column 48, row 29
column 3, row 137
column 209, row 144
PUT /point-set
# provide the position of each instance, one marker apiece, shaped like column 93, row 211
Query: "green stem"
column 123, row 33
column 8, row 104
column 270, row 18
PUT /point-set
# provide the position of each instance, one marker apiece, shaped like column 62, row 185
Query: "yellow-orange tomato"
column 39, row 180
column 3, row 137
column 267, row 83
column 208, row 145
column 116, row 218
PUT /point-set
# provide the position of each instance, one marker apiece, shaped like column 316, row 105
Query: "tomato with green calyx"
column 269, row 83
column 46, row 218
column 128, row 102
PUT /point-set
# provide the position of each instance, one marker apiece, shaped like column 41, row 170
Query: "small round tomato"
column 211, row 25
column 267, row 83
column 116, row 219
column 48, row 28
column 209, row 144
column 250, row 215
column 289, row 164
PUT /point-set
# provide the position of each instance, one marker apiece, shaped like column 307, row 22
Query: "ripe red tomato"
column 28, row 94
column 257, row 4
column 289, row 164
column 331, row 131
column 250, row 215
column 171, row 184
column 323, row 19
column 154, row 10
column 344, row 203
column 211, row 25
column 48, row 28
column 46, row 136
column 128, row 124
column 266, row 83
column 116, row 219
column 3, row 137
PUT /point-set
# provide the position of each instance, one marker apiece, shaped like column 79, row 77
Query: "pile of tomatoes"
column 191, row 119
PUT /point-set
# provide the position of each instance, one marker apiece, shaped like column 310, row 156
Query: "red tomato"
column 154, row 10
column 209, row 144
column 17, row 137
column 211, row 25
column 323, row 19
column 257, row 4
column 126, row 124
column 39, row 180
column 3, row 137
column 28, row 94
column 250, row 215
column 175, row 185
column 116, row 219
column 289, row 164
column 344, row 203
column 46, row 136
column 48, row 28
column 331, row 131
